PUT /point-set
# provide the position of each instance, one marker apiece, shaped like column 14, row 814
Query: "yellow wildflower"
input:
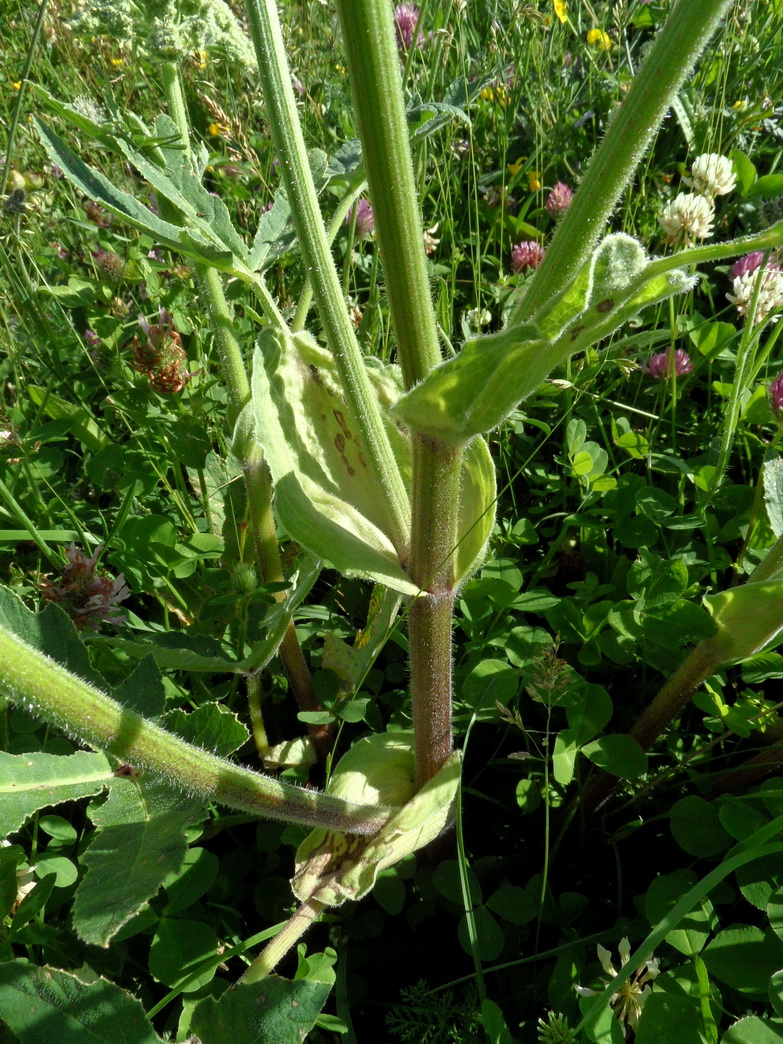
column 561, row 10
column 515, row 167
column 739, row 105
column 116, row 62
column 534, row 180
column 216, row 129
column 200, row 59
column 498, row 95
column 598, row 38
column 17, row 85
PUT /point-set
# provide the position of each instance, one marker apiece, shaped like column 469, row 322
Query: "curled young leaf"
column 332, row 867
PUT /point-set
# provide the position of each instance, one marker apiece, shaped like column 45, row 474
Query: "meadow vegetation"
column 608, row 864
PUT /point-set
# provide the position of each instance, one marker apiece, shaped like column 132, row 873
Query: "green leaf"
column 620, row 755
column 279, row 1012
column 748, row 618
column 666, row 1018
column 475, row 391
column 768, row 185
column 489, row 935
column 43, row 1005
column 32, row 781
column 591, row 713
column 744, row 169
column 51, row 632
column 773, row 493
column 10, row 857
column 178, row 948
column 744, row 958
column 82, row 424
column 325, row 492
column 190, row 242
column 274, row 235
column 695, row 928
column 753, row 1030
column 697, row 829
column 140, row 840
column 513, row 904
column 211, row 726
column 195, row 877
column 564, row 756
column 493, row 1022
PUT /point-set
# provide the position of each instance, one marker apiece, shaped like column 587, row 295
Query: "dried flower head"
column 713, row 175
column 629, row 999
column 109, row 262
column 365, row 219
column 87, row 594
column 559, row 200
column 770, row 292
column 406, row 21
column 527, row 254
column 687, row 217
column 161, row 355
column 671, row 363
column 96, row 214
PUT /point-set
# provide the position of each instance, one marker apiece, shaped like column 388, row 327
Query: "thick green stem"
column 435, row 499
column 374, row 68
column 87, row 714
column 291, row 932
column 340, row 335
column 673, row 55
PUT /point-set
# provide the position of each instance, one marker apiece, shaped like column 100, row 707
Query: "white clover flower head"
column 478, row 317
column 687, row 217
column 713, row 175
column 770, row 295
column 627, row 1002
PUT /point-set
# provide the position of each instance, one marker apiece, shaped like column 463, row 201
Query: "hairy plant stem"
column 258, row 481
column 89, row 715
column 436, row 475
column 374, row 69
column 673, row 55
column 275, row 950
column 340, row 336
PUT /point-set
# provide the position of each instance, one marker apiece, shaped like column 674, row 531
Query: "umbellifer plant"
column 380, row 469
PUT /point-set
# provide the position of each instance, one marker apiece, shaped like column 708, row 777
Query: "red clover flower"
column 559, row 200
column 365, row 219
column 776, row 396
column 670, row 363
column 527, row 254
column 406, row 22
